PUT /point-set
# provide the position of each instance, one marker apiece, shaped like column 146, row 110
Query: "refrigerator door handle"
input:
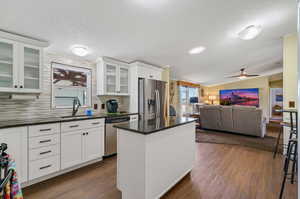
column 157, row 103
column 158, row 107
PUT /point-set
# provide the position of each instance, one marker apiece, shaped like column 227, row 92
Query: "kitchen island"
column 153, row 155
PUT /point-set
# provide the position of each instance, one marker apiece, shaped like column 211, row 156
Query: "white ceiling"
column 162, row 32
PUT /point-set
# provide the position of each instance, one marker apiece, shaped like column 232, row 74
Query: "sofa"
column 245, row 120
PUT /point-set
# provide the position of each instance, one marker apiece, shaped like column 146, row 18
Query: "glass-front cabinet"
column 31, row 66
column 112, row 77
column 20, row 67
column 8, row 72
column 124, row 79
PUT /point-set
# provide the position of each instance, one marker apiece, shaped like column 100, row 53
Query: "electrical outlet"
column 95, row 106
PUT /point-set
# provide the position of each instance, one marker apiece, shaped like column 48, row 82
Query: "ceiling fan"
column 243, row 75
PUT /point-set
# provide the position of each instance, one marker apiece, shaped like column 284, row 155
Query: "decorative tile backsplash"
column 41, row 107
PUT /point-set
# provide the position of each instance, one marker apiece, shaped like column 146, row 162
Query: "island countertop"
column 146, row 127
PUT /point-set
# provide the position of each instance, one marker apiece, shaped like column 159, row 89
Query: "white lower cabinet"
column 43, row 167
column 93, row 142
column 44, row 150
column 16, row 140
column 81, row 146
column 41, row 151
column 71, row 149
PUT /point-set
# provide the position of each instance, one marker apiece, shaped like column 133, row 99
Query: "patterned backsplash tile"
column 41, row 107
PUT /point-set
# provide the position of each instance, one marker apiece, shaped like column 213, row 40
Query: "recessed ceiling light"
column 250, row 32
column 197, row 50
column 80, row 50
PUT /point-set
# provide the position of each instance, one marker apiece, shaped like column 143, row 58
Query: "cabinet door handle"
column 21, row 86
column 87, row 133
column 45, row 129
column 95, row 123
column 16, row 86
column 45, row 152
column 74, row 126
column 45, row 141
column 45, row 167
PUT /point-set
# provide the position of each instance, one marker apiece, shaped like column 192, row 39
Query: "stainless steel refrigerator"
column 152, row 99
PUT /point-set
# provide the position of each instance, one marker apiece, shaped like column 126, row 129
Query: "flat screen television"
column 243, row 97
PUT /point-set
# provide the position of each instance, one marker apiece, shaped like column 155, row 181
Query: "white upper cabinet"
column 8, row 65
column 124, row 79
column 20, row 65
column 112, row 77
column 31, row 65
column 148, row 71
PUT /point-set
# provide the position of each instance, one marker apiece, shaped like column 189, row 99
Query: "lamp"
column 212, row 98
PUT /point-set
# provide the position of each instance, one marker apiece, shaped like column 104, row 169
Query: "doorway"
column 276, row 103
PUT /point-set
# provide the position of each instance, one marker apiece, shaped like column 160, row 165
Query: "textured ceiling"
column 162, row 32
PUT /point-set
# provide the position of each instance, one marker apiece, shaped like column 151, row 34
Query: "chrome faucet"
column 76, row 105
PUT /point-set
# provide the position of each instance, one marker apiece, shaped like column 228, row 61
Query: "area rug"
column 205, row 136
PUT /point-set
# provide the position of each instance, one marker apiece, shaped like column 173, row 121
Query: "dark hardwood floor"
column 220, row 172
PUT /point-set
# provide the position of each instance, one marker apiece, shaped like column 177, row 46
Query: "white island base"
column 148, row 165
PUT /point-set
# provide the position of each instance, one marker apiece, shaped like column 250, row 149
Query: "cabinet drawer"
column 43, row 141
column 43, row 167
column 94, row 123
column 45, row 129
column 71, row 126
column 43, row 152
column 82, row 124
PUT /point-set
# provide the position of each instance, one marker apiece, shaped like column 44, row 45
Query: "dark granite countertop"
column 48, row 120
column 146, row 127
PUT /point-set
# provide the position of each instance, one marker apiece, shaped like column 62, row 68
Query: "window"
column 70, row 83
column 186, row 93
column 186, row 96
column 183, row 91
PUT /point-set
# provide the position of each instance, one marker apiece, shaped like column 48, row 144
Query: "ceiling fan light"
column 242, row 77
column 250, row 32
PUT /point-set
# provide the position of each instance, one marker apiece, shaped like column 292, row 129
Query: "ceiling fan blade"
column 252, row 75
column 234, row 76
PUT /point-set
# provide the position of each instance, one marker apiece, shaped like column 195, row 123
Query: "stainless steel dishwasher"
column 111, row 134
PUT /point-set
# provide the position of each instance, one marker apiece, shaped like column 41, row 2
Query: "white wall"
column 290, row 76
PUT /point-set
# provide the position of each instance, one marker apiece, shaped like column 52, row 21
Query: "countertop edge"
column 153, row 131
column 59, row 120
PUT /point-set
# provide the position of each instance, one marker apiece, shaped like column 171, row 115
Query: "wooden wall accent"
column 188, row 84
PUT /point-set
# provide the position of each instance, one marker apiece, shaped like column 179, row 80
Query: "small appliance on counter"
column 112, row 106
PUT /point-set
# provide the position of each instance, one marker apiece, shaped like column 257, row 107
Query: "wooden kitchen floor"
column 221, row 172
